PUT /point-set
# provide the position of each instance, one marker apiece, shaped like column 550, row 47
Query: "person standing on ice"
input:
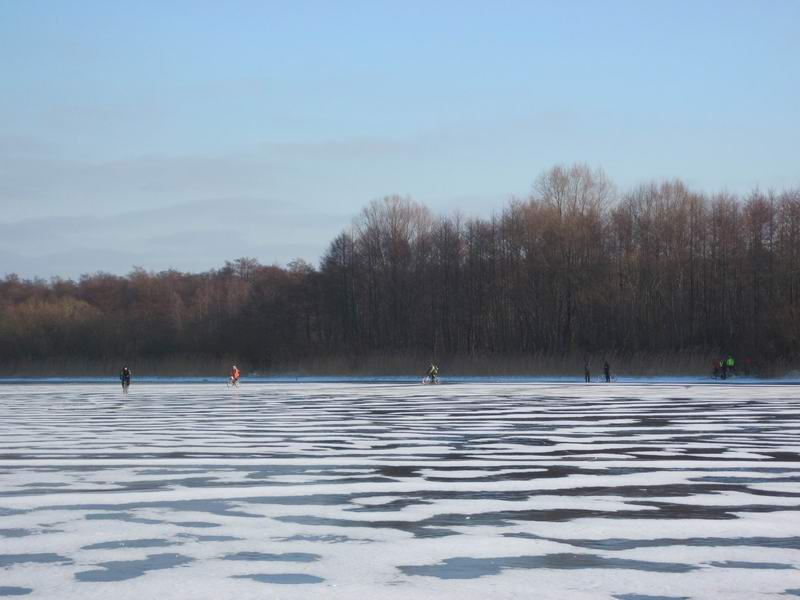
column 729, row 364
column 587, row 376
column 235, row 375
column 433, row 373
column 607, row 372
column 125, row 378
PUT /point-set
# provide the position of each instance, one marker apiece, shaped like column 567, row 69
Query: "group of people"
column 724, row 368
column 431, row 375
column 587, row 375
column 125, row 377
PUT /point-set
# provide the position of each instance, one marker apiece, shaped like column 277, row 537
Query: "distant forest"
column 577, row 268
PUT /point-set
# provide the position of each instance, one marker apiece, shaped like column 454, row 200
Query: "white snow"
column 347, row 490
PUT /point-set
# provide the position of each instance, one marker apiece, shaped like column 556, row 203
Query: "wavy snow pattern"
column 395, row 491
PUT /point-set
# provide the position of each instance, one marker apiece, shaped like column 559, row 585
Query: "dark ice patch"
column 285, row 557
column 184, row 471
column 344, row 480
column 325, row 539
column 744, row 480
column 121, row 570
column 462, row 567
column 208, row 538
column 45, row 485
column 15, row 533
column 121, row 511
column 742, row 564
column 393, row 505
column 282, row 578
column 420, row 529
column 198, row 524
column 647, row 597
column 121, row 516
column 792, row 543
column 670, row 490
column 6, row 560
column 160, row 484
column 10, row 590
column 306, row 500
column 440, row 525
column 781, row 456
column 667, row 510
column 141, row 543
column 400, row 471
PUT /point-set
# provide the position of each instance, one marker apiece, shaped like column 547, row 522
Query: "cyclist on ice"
column 433, row 373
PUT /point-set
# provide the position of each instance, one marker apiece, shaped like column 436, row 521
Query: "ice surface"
column 395, row 490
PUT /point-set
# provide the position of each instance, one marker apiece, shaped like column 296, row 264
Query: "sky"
column 171, row 134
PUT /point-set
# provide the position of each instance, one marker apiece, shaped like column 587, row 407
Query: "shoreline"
column 402, row 379
column 693, row 364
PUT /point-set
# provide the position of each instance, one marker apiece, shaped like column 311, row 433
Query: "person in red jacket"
column 235, row 375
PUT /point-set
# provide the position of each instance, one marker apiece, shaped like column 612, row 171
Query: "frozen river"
column 343, row 490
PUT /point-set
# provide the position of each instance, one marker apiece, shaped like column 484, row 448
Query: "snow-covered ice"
column 397, row 490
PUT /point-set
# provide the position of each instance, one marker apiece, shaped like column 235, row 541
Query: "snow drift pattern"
column 400, row 491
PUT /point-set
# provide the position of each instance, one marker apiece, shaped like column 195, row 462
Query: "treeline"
column 574, row 269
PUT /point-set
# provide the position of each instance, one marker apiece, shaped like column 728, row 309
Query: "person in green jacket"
column 729, row 364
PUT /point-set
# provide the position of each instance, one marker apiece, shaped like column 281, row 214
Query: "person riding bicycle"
column 125, row 377
column 433, row 373
column 235, row 374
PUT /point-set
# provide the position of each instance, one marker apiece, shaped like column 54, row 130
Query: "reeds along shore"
column 539, row 365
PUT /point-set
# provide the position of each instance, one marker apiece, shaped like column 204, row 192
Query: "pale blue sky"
column 180, row 134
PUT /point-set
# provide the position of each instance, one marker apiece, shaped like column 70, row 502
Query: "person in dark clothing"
column 433, row 374
column 587, row 376
column 607, row 372
column 723, row 365
column 125, row 378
